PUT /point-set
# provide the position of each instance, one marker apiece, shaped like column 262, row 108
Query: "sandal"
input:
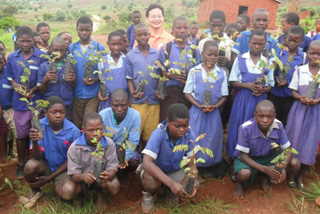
column 300, row 186
column 233, row 178
column 291, row 184
column 33, row 200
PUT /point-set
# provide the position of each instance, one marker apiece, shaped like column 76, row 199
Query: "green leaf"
column 187, row 169
column 8, row 182
column 184, row 162
column 200, row 160
column 180, row 147
column 207, row 151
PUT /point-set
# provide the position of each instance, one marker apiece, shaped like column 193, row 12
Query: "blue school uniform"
column 82, row 90
column 6, row 91
column 130, row 34
column 135, row 62
column 303, row 46
column 131, row 123
column 55, row 146
column 316, row 37
column 245, row 102
column 209, row 123
column 62, row 88
column 118, row 72
column 175, row 56
column 15, row 70
column 160, row 148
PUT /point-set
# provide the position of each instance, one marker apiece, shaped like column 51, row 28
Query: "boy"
column 86, row 89
column 44, row 30
column 38, row 43
column 232, row 31
column 138, row 60
column 81, row 160
column 314, row 33
column 193, row 31
column 254, row 151
column 49, row 162
column 27, row 56
column 160, row 164
column 243, row 21
column 171, row 53
column 64, row 85
column 136, row 18
column 291, row 58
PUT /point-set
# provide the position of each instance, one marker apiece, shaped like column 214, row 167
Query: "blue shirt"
column 175, row 56
column 131, row 123
column 15, row 70
column 82, row 90
column 135, row 62
column 304, row 45
column 160, row 147
column 130, row 34
column 6, row 91
column 55, row 146
column 316, row 37
column 62, row 88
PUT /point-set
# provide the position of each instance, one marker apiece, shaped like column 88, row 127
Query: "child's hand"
column 137, row 95
column 35, row 135
column 280, row 84
column 252, row 86
column 211, row 108
column 157, row 95
column 125, row 166
column 272, row 173
column 88, row 81
column 104, row 176
column 101, row 98
column 71, row 77
column 178, row 190
column 304, row 100
column 223, row 61
column 88, row 178
column 42, row 180
column 50, row 75
column 203, row 108
column 283, row 176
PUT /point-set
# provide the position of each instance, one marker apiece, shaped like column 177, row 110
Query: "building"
column 233, row 8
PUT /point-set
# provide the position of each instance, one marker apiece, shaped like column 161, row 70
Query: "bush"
column 9, row 10
column 103, row 7
column 7, row 22
column 60, row 16
column 47, row 17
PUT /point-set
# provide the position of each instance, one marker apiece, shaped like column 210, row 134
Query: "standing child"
column 136, row 18
column 205, row 117
column 63, row 87
column 303, row 120
column 137, row 62
column 252, row 75
column 243, row 21
column 193, row 31
column 38, row 43
column 67, row 37
column 113, row 69
column 45, row 32
column 177, row 55
column 26, row 57
column 126, row 41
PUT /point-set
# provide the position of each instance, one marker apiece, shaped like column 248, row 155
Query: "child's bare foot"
column 101, row 202
column 265, row 184
column 238, row 193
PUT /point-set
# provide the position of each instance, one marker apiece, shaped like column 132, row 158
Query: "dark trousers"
column 82, row 107
column 282, row 106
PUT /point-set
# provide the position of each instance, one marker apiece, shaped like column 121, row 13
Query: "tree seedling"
column 69, row 63
column 103, row 79
column 313, row 87
column 263, row 66
column 283, row 69
column 24, row 88
column 142, row 82
column 125, row 145
column 55, row 62
column 162, row 83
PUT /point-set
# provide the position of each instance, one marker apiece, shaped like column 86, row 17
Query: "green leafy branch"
column 316, row 78
column 143, row 76
column 40, row 105
column 51, row 58
column 280, row 159
column 25, row 78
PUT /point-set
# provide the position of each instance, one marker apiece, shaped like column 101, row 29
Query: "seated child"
column 160, row 164
column 49, row 162
column 254, row 151
column 243, row 21
column 81, row 160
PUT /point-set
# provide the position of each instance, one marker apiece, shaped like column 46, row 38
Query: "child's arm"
column 44, row 77
column 35, row 136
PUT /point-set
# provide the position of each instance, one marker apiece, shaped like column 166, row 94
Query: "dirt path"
column 96, row 22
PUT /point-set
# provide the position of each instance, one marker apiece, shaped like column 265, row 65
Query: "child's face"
column 44, row 34
column 56, row 115
column 242, row 24
column 67, row 38
column 38, row 41
column 142, row 35
column 293, row 41
column 2, row 50
column 217, row 27
column 59, row 48
column 25, row 43
column 178, row 127
column 264, row 117
column 285, row 25
column 2, row 62
column 93, row 129
column 210, row 55
column 318, row 25
column 84, row 31
column 119, row 108
column 260, row 20
column 181, row 30
column 230, row 31
column 193, row 29
column 257, row 44
column 313, row 55
column 116, row 45
column 155, row 18
column 136, row 18
column 126, row 42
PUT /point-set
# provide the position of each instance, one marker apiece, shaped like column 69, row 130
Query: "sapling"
column 283, row 69
column 207, row 97
column 125, row 145
column 191, row 173
column 225, row 44
column 187, row 60
column 263, row 65
column 68, row 67
column 55, row 61
column 141, row 83
column 24, row 79
column 40, row 105
column 313, row 87
column 162, row 83
column 103, row 78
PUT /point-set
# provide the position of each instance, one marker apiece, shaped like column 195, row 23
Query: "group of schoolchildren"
column 232, row 78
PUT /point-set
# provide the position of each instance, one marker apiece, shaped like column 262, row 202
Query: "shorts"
column 177, row 176
column 8, row 117
column 22, row 121
column 60, row 179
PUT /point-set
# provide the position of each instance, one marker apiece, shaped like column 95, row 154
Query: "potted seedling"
column 40, row 105
column 141, row 83
column 68, row 67
column 207, row 97
column 191, row 174
column 313, row 87
column 124, row 146
column 162, row 84
column 283, row 69
column 280, row 160
column 93, row 59
column 263, row 66
column 25, row 80
column 99, row 161
column 103, row 78
column 54, row 62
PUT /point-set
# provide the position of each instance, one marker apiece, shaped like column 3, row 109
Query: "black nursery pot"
column 162, row 89
column 279, row 169
column 207, row 98
column 260, row 81
column 140, row 87
column 98, row 168
column 189, row 184
column 121, row 152
column 222, row 53
column 36, row 125
column 103, row 90
column 26, row 85
column 282, row 77
column 88, row 69
column 312, row 90
column 68, row 67
column 54, row 67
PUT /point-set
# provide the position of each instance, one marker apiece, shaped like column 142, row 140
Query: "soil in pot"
column 140, row 87
column 207, row 98
column 121, row 152
column 88, row 69
column 98, row 168
column 190, row 183
column 36, row 125
column 162, row 89
column 104, row 90
column 282, row 77
column 279, row 169
column 54, row 67
column 26, row 86
column 312, row 90
column 68, row 67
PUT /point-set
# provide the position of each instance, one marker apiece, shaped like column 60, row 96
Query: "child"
column 232, row 30
column 136, row 18
column 64, row 85
column 67, row 37
column 171, row 52
column 126, row 42
column 44, row 30
column 193, row 30
column 138, row 60
column 243, row 21
column 205, row 118
column 314, row 33
column 160, row 164
column 112, row 68
column 86, row 89
column 254, row 151
column 28, row 56
column 81, row 160
column 49, row 162
column 247, row 69
column 291, row 58
column 37, row 40
column 303, row 120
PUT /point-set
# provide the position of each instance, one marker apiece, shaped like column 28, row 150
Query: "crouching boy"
column 254, row 151
column 81, row 160
column 160, row 164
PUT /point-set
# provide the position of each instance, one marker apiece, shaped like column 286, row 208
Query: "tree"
column 103, row 7
column 60, row 16
column 9, row 10
column 293, row 6
column 47, row 17
column 107, row 18
column 7, row 22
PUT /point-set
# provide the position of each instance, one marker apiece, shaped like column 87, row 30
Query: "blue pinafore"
column 244, row 105
column 209, row 123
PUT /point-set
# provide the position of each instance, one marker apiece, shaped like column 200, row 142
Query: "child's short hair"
column 263, row 10
column 136, row 12
column 209, row 43
column 296, row 30
column 314, row 43
column 193, row 23
column 123, row 32
column 35, row 34
column 24, row 30
column 154, row 6
column 218, row 14
column 58, row 40
column 84, row 20
column 114, row 34
column 245, row 17
column 178, row 19
column 1, row 42
column 258, row 32
column 55, row 100
column 42, row 24
column 64, row 32
column 234, row 26
column 140, row 25
column 292, row 18
column 91, row 116
column 178, row 110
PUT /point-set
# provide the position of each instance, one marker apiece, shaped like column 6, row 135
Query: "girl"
column 303, row 121
column 252, row 75
column 67, row 37
column 113, row 73
column 205, row 116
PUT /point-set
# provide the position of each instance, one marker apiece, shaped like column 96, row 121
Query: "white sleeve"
column 235, row 74
column 224, row 86
column 294, row 84
column 189, row 87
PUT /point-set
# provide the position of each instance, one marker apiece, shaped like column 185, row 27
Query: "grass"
column 298, row 205
column 312, row 191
